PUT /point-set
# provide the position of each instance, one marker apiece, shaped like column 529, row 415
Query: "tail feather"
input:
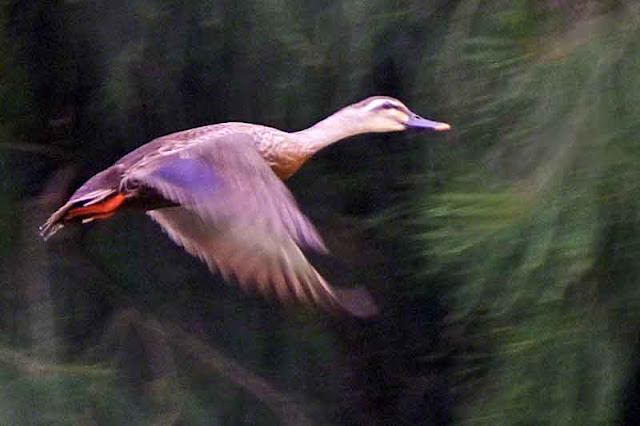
column 54, row 223
column 86, row 213
column 48, row 230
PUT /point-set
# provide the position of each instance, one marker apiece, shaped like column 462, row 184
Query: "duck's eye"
column 389, row 105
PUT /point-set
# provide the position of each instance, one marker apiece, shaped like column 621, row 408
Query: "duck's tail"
column 87, row 212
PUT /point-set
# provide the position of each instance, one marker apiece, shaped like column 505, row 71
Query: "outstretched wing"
column 235, row 214
column 258, row 260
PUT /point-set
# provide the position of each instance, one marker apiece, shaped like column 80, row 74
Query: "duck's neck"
column 324, row 133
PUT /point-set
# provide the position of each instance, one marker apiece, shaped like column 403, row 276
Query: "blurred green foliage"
column 503, row 253
column 533, row 226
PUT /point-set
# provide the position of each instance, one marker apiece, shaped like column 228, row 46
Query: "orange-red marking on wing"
column 100, row 210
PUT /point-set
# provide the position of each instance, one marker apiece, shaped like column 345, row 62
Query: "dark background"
column 503, row 254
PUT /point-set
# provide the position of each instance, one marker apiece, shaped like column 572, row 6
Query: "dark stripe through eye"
column 389, row 105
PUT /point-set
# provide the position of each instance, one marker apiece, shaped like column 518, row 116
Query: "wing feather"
column 254, row 257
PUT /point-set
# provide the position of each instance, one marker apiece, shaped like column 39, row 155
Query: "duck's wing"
column 260, row 262
column 235, row 214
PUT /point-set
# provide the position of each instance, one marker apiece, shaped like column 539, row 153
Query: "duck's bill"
column 417, row 122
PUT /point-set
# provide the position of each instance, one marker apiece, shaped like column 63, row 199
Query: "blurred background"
column 503, row 254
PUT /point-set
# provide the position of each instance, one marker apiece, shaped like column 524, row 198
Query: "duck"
column 218, row 192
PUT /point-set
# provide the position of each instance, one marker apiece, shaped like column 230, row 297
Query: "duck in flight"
column 217, row 191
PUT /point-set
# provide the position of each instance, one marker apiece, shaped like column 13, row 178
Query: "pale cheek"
column 388, row 126
column 399, row 116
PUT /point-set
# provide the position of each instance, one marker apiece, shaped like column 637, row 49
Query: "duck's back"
column 264, row 139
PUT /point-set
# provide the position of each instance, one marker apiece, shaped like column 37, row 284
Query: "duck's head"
column 379, row 114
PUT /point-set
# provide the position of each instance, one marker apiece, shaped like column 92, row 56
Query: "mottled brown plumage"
column 217, row 191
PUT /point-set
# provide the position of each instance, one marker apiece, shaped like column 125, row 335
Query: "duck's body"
column 217, row 191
